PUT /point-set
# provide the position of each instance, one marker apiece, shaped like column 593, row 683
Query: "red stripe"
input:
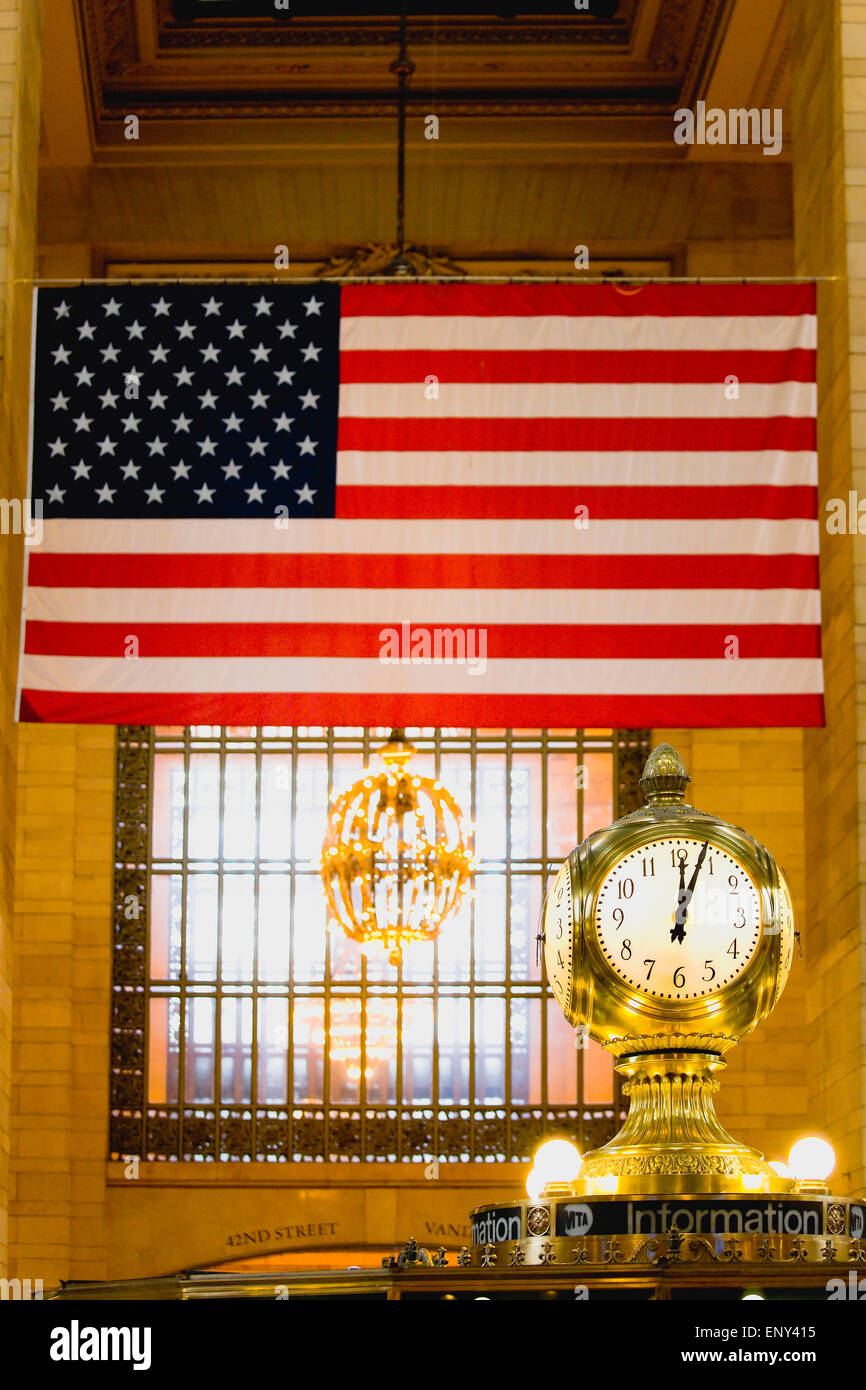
column 545, row 364
column 758, row 641
column 123, row 571
column 458, row 711
column 559, row 503
column 604, row 434
column 584, row 301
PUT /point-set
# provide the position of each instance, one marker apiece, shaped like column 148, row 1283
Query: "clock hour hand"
column 678, row 932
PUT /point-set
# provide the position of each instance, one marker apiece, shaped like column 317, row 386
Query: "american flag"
column 300, row 504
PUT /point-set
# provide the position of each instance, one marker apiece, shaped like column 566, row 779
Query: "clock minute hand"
column 678, row 932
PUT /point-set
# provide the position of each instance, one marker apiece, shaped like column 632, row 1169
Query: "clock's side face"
column 678, row 919
column 787, row 945
column 559, row 936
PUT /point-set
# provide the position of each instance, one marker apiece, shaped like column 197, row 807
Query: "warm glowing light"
column 752, row 1182
column 397, row 855
column 752, row 1296
column 558, row 1161
column 535, row 1185
column 781, row 1169
column 812, row 1159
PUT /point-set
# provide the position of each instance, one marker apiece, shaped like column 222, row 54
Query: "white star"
column 210, row 353
column 204, row 493
column 263, row 306
column 261, row 353
column 112, row 308
column 232, row 422
column 157, row 400
column 82, row 422
column 309, row 401
column 130, row 422
column 234, row 377
column 231, row 470
column 133, row 377
column 307, row 446
column 60, row 402
column 184, row 377
column 182, row 423
column 81, row 470
column 207, row 446
column 313, row 305
column 311, row 353
column 62, row 309
column 288, row 330
column 60, row 355
column 305, row 493
column 135, row 330
column 86, row 330
column 208, row 400
column 130, row 470
column 281, row 470
column 154, row 494
column 185, row 329
column 159, row 354
column 283, row 422
column 58, row 447
column 161, row 307
column 84, row 377
column 284, row 377
column 156, row 446
column 211, row 307
column 237, row 329
column 180, row 470
column 105, row 493
column 56, row 494
column 107, row 446
column 255, row 493
column 110, row 353
column 109, row 400
column 259, row 400
column 256, row 447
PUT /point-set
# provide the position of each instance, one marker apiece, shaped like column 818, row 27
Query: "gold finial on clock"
column 664, row 779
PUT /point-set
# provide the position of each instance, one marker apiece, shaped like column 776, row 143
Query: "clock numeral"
column 679, row 856
column 733, row 882
column 625, row 888
column 625, row 953
column 708, row 965
column 652, row 867
column 679, row 984
column 650, row 963
column 732, row 949
column 740, row 913
column 561, row 961
column 559, row 925
column 618, row 917
column 557, row 986
column 710, row 864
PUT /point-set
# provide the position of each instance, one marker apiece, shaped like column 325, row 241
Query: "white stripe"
column 113, row 535
column 557, row 400
column 777, row 676
column 531, row 333
column 770, row 467
column 390, row 607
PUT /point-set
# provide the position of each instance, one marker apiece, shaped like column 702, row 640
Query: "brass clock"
column 669, row 936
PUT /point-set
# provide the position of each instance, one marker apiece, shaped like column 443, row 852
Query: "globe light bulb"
column 751, row 1297
column 812, row 1159
column 558, row 1161
column 534, row 1185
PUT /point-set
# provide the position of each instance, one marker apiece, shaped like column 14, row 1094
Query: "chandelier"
column 397, row 855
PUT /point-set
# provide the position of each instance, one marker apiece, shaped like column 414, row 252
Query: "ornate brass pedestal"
column 672, row 1140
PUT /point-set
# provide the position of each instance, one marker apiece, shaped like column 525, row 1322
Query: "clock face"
column 678, row 919
column 787, row 951
column 558, row 936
